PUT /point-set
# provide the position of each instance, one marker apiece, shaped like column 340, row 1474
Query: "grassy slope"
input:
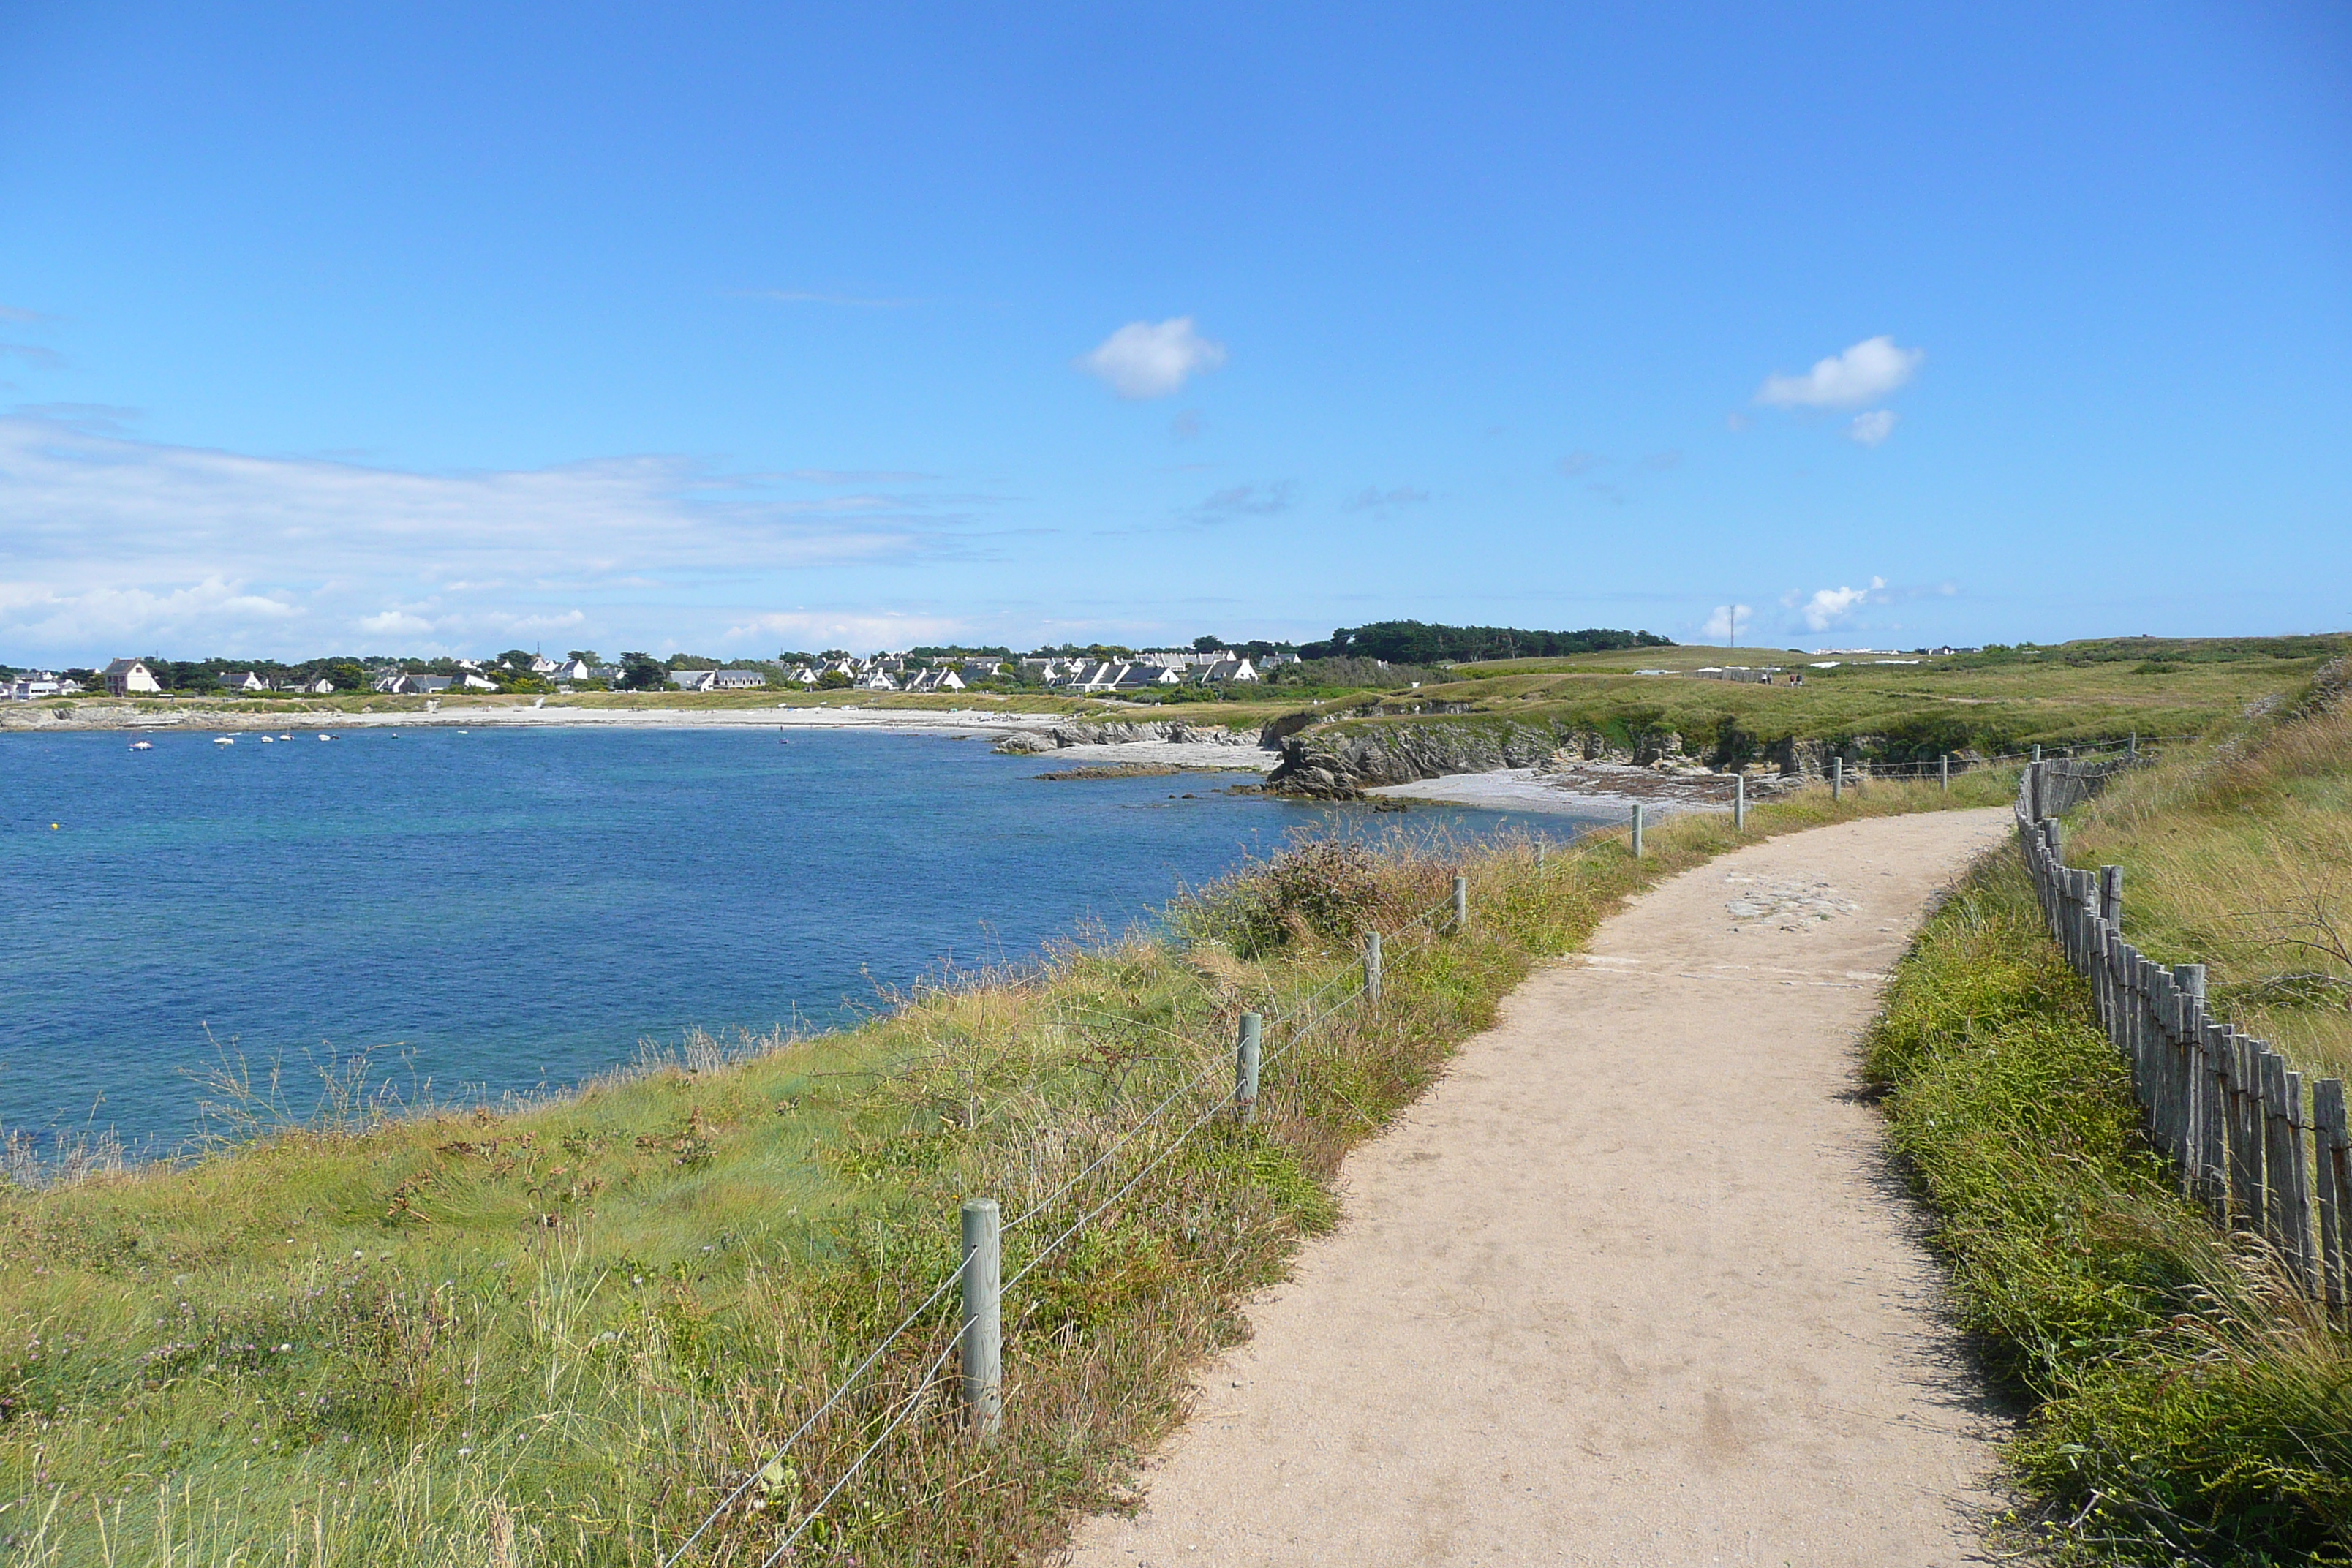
column 2189, row 1406
column 551, row 1337
column 2081, row 691
column 2240, row 856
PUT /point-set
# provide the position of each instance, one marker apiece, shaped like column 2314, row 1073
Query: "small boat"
column 223, row 740
column 284, row 737
column 324, row 736
column 143, row 746
column 268, row 739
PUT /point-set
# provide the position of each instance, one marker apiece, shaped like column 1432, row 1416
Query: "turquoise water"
column 501, row 909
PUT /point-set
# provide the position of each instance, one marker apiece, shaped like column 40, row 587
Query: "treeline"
column 1420, row 642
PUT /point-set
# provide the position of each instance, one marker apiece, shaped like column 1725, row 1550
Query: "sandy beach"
column 1588, row 789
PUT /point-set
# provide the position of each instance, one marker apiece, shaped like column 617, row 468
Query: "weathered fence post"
column 2033, row 786
column 1740, row 802
column 1539, row 857
column 2111, row 894
column 1371, row 966
column 1837, row 778
column 2327, row 1138
column 983, row 1319
column 1462, row 901
column 1943, row 771
column 1245, row 1058
column 2131, row 748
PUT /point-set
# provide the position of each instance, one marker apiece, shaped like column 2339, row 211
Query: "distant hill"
column 1418, row 642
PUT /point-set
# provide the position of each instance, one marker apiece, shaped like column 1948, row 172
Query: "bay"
column 505, row 910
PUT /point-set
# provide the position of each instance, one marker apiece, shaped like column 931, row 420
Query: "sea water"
column 503, row 910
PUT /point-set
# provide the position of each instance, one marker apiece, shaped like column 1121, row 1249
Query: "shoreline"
column 1604, row 790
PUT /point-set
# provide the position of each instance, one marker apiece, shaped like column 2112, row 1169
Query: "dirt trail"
column 1632, row 1285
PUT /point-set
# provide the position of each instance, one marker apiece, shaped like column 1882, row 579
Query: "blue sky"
column 451, row 327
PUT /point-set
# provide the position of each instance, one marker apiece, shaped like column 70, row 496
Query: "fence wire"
column 1421, row 929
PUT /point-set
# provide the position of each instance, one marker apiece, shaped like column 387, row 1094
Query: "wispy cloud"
column 1373, row 499
column 1661, row 461
column 114, row 542
column 1581, row 461
column 859, row 632
column 1862, row 373
column 1872, row 427
column 17, row 314
column 1186, row 426
column 1833, row 606
column 1246, row 501
column 1143, row 359
column 1726, row 621
column 32, row 353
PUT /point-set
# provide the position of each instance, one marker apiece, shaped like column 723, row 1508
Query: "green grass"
column 555, row 1336
column 1991, row 703
column 2187, row 1405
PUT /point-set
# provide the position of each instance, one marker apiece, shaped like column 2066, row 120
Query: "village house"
column 1223, row 670
column 876, row 681
column 37, row 683
column 242, row 681
column 693, row 679
column 126, row 677
column 737, row 679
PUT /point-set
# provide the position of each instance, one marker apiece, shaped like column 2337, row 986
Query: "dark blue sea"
column 503, row 910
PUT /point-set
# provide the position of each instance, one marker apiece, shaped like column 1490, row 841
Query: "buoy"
column 52, row 828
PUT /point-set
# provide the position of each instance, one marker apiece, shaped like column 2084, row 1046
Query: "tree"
column 642, row 672
column 515, row 659
column 833, row 680
column 585, row 655
column 1207, row 645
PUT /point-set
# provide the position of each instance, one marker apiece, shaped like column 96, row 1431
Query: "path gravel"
column 1632, row 1285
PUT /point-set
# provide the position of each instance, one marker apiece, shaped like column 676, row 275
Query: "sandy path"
column 1631, row 1284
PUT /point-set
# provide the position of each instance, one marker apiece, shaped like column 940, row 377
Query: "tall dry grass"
column 2237, row 854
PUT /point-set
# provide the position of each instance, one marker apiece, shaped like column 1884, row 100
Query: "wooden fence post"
column 1637, row 830
column 2292, row 1128
column 2246, row 1151
column 1740, row 802
column 1943, row 771
column 2328, row 1147
column 984, row 1318
column 1837, row 777
column 1461, row 884
column 1371, row 966
column 1246, row 1051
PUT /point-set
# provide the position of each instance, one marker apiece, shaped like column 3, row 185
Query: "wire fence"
column 1293, row 1023
column 2224, row 1108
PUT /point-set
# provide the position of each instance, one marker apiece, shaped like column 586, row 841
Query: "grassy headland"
column 560, row 1335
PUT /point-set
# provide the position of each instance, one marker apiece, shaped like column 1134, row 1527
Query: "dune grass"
column 2188, row 1404
column 2238, row 855
column 563, row 1335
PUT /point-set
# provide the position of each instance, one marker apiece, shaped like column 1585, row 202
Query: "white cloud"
column 858, row 632
column 136, row 546
column 1862, row 373
column 1579, row 461
column 1726, row 621
column 1142, row 360
column 1373, row 499
column 1872, row 427
column 1832, row 606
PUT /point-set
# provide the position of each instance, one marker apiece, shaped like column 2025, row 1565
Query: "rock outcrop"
column 1029, row 743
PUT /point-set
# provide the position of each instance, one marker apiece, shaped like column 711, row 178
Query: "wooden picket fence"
column 2222, row 1107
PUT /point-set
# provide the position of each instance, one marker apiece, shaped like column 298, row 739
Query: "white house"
column 242, row 681
column 1133, row 677
column 1226, row 670
column 319, row 687
column 542, row 665
column 469, row 681
column 126, row 676
column 573, row 670
column 801, row 675
column 693, row 679
column 876, row 681
column 737, row 679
